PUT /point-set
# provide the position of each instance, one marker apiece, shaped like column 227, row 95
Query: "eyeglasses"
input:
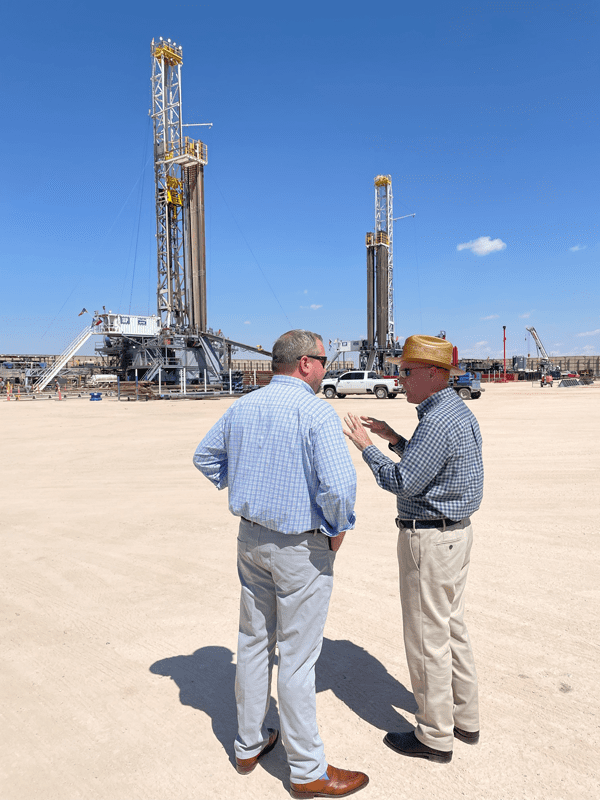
column 404, row 373
column 322, row 359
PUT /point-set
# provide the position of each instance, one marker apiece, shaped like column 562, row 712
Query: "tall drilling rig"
column 381, row 341
column 179, row 179
column 380, row 275
column 183, row 344
column 176, row 344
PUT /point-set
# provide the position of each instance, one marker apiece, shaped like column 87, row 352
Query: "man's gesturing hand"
column 381, row 428
column 356, row 433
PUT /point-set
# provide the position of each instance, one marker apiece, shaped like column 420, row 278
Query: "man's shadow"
column 361, row 681
column 206, row 681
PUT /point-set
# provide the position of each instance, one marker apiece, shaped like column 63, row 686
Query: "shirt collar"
column 434, row 400
column 291, row 381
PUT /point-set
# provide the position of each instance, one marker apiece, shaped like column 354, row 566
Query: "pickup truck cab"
column 360, row 382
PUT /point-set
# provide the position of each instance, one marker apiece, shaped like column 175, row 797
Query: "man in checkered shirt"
column 282, row 455
column 438, row 484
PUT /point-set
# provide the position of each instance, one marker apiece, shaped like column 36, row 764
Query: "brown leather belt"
column 440, row 523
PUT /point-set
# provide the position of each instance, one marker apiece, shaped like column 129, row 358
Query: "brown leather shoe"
column 245, row 765
column 341, row 783
column 468, row 737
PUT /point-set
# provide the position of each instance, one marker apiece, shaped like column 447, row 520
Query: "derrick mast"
column 179, row 178
column 384, row 225
column 380, row 274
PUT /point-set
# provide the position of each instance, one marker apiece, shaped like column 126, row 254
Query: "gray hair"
column 290, row 346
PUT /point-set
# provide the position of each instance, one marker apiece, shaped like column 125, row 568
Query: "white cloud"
column 491, row 316
column 306, row 291
column 247, row 322
column 590, row 333
column 577, row 248
column 483, row 246
column 526, row 315
column 312, row 307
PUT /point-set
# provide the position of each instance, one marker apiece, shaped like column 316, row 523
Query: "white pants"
column 433, row 573
column 286, row 584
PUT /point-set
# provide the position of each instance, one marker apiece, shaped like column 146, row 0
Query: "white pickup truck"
column 360, row 382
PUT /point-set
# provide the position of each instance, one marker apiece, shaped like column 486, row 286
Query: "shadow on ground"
column 361, row 681
column 206, row 680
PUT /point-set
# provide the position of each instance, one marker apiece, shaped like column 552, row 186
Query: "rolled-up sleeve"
column 336, row 492
column 211, row 455
column 422, row 460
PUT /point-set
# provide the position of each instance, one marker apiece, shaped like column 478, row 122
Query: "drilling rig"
column 175, row 345
column 381, row 341
column 185, row 343
column 380, row 276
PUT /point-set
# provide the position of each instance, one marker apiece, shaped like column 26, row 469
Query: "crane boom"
column 545, row 360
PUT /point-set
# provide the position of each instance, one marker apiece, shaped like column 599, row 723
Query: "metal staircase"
column 157, row 362
column 53, row 370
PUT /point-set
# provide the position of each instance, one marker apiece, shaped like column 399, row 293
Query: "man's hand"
column 382, row 429
column 356, row 432
column 335, row 542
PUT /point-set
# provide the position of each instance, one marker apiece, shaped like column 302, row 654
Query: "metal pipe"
column 382, row 295
column 136, row 384
column 370, row 296
column 230, row 390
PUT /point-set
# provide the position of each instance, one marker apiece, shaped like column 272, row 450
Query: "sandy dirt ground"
column 120, row 604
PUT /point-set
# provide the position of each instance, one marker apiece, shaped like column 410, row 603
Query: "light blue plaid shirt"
column 441, row 471
column 282, row 454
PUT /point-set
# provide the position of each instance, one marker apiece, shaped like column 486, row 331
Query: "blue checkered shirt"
column 441, row 469
column 282, row 454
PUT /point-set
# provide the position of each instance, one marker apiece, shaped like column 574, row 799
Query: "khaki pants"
column 433, row 573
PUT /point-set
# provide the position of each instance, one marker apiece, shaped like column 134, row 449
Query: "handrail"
column 53, row 370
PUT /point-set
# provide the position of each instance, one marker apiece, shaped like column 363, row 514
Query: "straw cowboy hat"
column 429, row 350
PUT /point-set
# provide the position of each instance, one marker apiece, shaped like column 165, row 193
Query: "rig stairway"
column 53, row 370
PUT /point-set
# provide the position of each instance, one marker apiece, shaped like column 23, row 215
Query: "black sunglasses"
column 322, row 359
column 404, row 373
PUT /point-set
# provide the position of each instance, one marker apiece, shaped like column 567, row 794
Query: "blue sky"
column 485, row 115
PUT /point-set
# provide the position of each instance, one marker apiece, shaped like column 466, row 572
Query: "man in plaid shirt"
column 438, row 484
column 282, row 455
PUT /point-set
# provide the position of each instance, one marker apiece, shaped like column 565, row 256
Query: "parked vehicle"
column 467, row 386
column 360, row 382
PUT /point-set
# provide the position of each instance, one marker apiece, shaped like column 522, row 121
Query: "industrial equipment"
column 175, row 345
column 546, row 365
column 381, row 341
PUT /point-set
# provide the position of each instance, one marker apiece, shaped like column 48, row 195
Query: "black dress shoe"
column 245, row 765
column 468, row 737
column 409, row 745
